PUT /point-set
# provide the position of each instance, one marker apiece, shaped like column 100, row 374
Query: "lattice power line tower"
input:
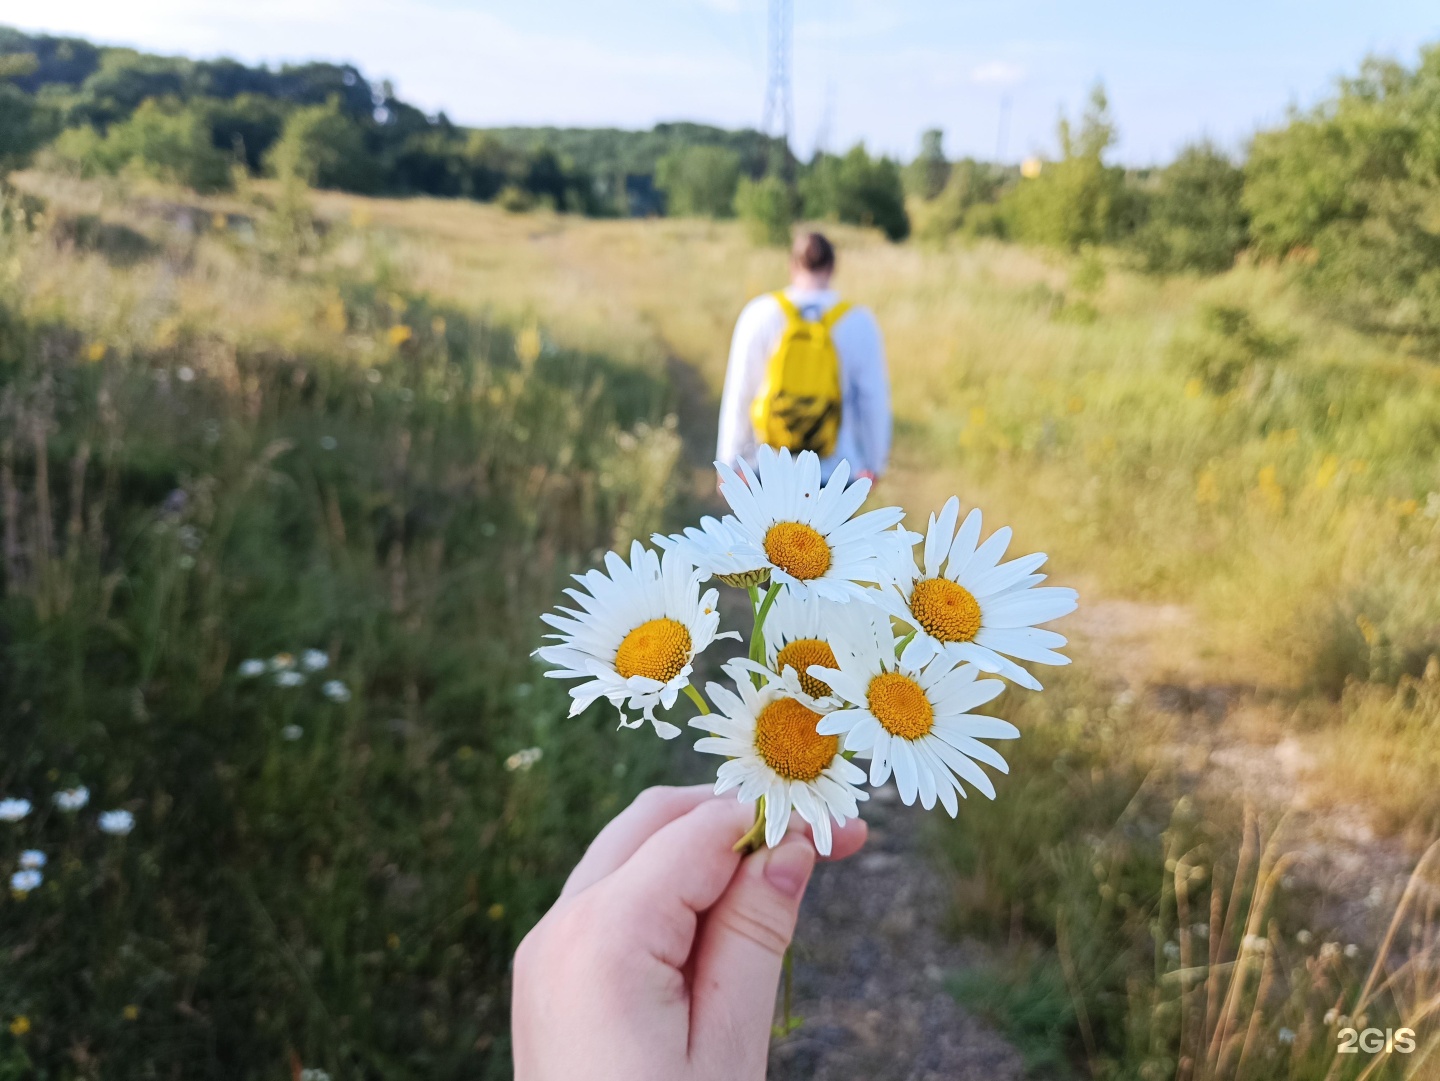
column 779, row 102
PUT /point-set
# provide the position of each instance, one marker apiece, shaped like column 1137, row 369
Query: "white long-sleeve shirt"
column 864, row 436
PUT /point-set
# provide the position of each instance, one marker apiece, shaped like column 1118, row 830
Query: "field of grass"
column 232, row 432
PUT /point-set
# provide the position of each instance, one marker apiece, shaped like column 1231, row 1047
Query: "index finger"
column 650, row 811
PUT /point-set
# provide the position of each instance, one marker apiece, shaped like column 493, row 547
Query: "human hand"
column 865, row 474
column 661, row 959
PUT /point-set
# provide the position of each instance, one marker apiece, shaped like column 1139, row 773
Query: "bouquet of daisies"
column 857, row 653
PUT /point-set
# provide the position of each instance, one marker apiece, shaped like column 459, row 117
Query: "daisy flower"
column 336, row 691
column 71, row 799
column 117, row 823
column 909, row 719
column 32, row 859
column 769, row 736
column 289, row 678
column 808, row 534
column 718, row 550
column 968, row 606
column 22, row 882
column 251, row 668
column 313, row 660
column 797, row 634
column 13, row 810
column 636, row 635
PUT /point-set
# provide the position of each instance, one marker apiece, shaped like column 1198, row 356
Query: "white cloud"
column 997, row 73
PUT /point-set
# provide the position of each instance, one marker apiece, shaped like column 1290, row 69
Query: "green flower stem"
column 757, row 636
column 698, row 699
column 900, row 645
column 755, row 836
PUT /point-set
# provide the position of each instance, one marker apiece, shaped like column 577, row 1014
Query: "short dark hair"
column 813, row 252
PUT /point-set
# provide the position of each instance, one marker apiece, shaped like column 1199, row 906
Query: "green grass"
column 183, row 492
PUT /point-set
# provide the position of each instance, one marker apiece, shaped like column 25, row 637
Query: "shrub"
column 767, row 207
column 1195, row 219
column 699, row 181
column 323, row 147
column 965, row 204
column 164, row 140
column 857, row 189
column 1079, row 199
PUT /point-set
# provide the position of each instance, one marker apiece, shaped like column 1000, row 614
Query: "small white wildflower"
column 117, row 823
column 13, row 810
column 32, row 859
column 336, row 691
column 1258, row 943
column 328, row 442
column 289, row 679
column 71, row 799
column 1352, row 951
column 1172, row 950
column 22, row 882
column 1303, row 937
column 312, row 660
column 185, row 374
column 521, row 761
column 291, row 732
column 1329, row 951
column 314, row 1073
column 251, row 668
column 1332, row 1015
column 1286, row 1035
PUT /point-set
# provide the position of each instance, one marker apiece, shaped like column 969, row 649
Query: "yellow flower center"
column 786, row 739
column 900, row 705
column 947, row 610
column 798, row 550
column 657, row 649
column 800, row 655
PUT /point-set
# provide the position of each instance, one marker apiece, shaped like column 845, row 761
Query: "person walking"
column 807, row 371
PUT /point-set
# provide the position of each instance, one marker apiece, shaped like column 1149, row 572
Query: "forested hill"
column 102, row 109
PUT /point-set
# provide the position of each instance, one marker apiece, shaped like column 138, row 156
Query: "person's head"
column 812, row 261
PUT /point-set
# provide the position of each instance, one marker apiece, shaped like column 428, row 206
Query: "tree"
column 926, row 176
column 1195, row 218
column 699, row 181
column 323, row 148
column 857, row 189
column 971, row 185
column 161, row 139
column 1079, row 199
column 767, row 207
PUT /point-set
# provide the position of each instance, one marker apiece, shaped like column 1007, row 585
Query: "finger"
column 651, row 810
column 738, row 957
column 847, row 840
column 678, row 873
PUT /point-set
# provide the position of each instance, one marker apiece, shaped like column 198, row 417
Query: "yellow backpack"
column 799, row 402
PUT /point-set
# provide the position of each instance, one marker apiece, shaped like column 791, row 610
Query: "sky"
column 994, row 76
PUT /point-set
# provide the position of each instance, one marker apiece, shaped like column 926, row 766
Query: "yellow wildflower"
column 20, row 1025
column 399, row 334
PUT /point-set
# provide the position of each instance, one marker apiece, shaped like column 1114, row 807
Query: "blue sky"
column 880, row 71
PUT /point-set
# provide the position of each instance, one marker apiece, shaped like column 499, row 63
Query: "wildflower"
column 71, row 799
column 1255, row 943
column 22, row 882
column 521, row 761
column 718, row 550
column 185, row 374
column 636, row 636
column 117, row 823
column 95, row 352
column 291, row 732
column 251, row 668
column 807, row 534
column 328, row 442
column 32, row 859
column 1303, row 937
column 968, row 606
column 13, row 809
column 313, row 660
column 314, row 1073
column 131, row 1012
column 399, row 334
column 911, row 719
column 1352, row 951
column 336, row 691
column 496, row 911
column 20, row 1025
column 775, row 751
column 1332, row 1015
column 1171, row 950
column 289, row 678
column 797, row 637
column 1286, row 1036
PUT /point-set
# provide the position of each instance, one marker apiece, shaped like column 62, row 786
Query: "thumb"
column 739, row 954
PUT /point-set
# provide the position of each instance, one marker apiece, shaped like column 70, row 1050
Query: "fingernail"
column 788, row 867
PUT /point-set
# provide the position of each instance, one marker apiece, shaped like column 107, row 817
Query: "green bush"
column 1078, row 199
column 857, row 189
column 163, row 140
column 24, row 126
column 699, row 181
column 767, row 207
column 1195, row 219
column 965, row 204
column 926, row 176
column 323, row 147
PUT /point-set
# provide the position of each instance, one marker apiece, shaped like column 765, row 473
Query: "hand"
column 865, row 474
column 661, row 959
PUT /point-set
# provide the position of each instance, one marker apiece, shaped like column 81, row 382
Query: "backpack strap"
column 792, row 313
column 835, row 314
